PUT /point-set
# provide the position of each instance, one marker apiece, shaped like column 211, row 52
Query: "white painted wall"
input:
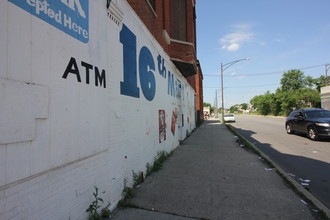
column 60, row 137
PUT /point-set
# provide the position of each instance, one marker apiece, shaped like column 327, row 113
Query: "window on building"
column 179, row 19
column 153, row 4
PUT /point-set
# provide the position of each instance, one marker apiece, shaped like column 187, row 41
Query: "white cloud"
column 240, row 77
column 233, row 41
column 234, row 74
column 231, row 47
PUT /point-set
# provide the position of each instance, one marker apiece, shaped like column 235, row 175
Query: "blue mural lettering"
column 161, row 66
column 178, row 87
column 129, row 85
column 174, row 87
column 147, row 78
column 69, row 16
column 170, row 84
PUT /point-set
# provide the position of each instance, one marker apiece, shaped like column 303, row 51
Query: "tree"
column 233, row 108
column 205, row 104
column 309, row 98
column 244, row 106
column 262, row 103
column 294, row 80
column 320, row 82
column 296, row 92
column 255, row 101
column 212, row 109
column 275, row 105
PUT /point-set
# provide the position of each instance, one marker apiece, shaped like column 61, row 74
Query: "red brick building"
column 173, row 24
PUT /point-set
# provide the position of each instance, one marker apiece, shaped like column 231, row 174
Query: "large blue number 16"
column 129, row 86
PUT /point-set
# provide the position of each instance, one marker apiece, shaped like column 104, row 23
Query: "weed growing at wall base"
column 126, row 194
column 96, row 204
column 138, row 178
column 158, row 161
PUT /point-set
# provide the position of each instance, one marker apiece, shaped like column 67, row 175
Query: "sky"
column 277, row 35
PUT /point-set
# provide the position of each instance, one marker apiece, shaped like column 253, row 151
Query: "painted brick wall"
column 69, row 117
column 154, row 19
column 157, row 20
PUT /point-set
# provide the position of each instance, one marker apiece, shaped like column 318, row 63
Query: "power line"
column 268, row 73
column 232, row 87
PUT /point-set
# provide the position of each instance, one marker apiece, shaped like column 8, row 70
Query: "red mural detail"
column 162, row 126
column 174, row 119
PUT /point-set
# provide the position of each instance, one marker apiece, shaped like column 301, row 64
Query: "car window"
column 299, row 115
column 327, row 114
column 292, row 114
column 318, row 114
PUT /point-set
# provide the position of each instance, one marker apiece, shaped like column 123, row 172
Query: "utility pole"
column 223, row 68
column 216, row 103
column 327, row 66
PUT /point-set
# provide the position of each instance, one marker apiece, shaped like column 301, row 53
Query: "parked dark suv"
column 314, row 122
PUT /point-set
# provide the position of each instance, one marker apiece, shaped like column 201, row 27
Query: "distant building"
column 207, row 110
column 325, row 97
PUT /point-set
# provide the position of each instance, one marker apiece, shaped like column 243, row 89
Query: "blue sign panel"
column 69, row 16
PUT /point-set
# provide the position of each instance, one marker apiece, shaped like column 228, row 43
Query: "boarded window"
column 179, row 19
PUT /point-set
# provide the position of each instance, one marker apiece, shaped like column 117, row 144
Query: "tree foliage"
column 294, row 80
column 296, row 91
column 233, row 108
column 244, row 106
column 239, row 108
column 320, row 82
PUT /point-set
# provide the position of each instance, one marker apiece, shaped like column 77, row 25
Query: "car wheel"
column 288, row 128
column 312, row 134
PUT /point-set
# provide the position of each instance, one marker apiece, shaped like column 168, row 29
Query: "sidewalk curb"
column 285, row 176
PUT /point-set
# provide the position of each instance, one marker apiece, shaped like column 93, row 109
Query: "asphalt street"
column 307, row 161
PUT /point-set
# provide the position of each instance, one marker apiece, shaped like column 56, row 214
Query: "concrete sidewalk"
column 209, row 176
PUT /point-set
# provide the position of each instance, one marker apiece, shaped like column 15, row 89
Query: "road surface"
column 295, row 154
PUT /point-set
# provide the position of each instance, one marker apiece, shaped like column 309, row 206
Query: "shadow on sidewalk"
column 301, row 167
